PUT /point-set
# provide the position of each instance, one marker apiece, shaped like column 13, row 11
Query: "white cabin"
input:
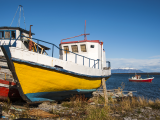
column 8, row 34
column 92, row 49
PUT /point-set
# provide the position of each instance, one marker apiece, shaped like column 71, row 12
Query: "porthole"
column 92, row 46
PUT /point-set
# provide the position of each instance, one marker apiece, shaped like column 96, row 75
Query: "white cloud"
column 157, row 56
column 146, row 65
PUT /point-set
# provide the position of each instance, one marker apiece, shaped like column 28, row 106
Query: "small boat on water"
column 137, row 78
column 41, row 77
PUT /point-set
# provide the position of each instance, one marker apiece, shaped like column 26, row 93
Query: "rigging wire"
column 24, row 18
column 19, row 19
column 14, row 16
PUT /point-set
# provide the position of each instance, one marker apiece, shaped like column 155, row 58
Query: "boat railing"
column 109, row 64
column 96, row 62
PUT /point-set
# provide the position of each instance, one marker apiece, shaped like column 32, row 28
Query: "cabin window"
column 83, row 48
column 92, row 46
column 66, row 48
column 13, row 34
column 7, row 34
column 74, row 48
column 1, row 34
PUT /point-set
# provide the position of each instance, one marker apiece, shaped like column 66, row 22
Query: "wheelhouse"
column 8, row 35
column 92, row 50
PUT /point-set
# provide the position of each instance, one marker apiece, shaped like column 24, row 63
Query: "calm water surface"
column 148, row 90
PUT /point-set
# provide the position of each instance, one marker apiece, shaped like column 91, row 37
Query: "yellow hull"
column 35, row 79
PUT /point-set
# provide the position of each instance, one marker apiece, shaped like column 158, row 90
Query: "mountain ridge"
column 126, row 70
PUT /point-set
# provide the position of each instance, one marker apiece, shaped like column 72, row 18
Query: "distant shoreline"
column 151, row 73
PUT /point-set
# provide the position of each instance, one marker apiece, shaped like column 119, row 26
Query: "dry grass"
column 155, row 104
column 98, row 113
column 76, row 101
column 6, row 106
column 84, row 110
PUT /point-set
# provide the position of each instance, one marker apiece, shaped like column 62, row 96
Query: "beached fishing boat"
column 137, row 78
column 40, row 77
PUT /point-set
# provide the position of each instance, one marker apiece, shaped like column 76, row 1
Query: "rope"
column 14, row 16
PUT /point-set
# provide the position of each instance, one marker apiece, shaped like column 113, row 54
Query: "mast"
column 85, row 35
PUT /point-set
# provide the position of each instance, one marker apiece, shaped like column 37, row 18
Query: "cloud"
column 157, row 56
column 146, row 65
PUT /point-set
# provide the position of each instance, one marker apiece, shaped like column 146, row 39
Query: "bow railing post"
column 75, row 58
column 98, row 63
column 109, row 65
column 37, row 46
column 83, row 60
column 52, row 50
column 66, row 55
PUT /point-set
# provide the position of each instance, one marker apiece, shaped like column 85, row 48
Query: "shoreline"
column 117, row 108
column 140, row 73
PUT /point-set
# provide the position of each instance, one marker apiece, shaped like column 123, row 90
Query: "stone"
column 92, row 103
column 46, row 106
column 116, row 95
column 142, row 110
column 123, row 111
column 24, row 119
column 151, row 118
column 148, row 108
column 116, row 115
column 74, row 114
column 125, row 95
column 100, row 105
column 140, row 116
column 127, row 118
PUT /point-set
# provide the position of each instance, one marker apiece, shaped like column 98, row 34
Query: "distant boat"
column 137, row 78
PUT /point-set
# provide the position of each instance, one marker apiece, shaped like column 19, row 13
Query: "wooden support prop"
column 5, row 76
column 105, row 91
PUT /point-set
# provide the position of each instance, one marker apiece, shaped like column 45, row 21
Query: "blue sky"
column 130, row 29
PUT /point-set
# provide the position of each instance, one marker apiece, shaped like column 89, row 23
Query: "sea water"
column 144, row 89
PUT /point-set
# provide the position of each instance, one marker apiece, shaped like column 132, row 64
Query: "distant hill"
column 126, row 70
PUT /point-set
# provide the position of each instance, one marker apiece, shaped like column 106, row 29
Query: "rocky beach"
column 119, row 107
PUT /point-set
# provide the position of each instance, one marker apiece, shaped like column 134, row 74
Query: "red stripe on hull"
column 7, row 82
column 8, row 92
column 148, row 80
